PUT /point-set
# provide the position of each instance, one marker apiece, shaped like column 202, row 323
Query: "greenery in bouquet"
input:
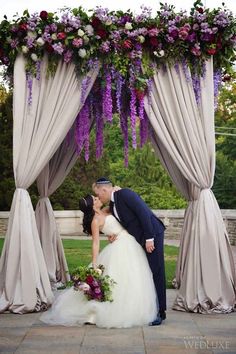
column 93, row 283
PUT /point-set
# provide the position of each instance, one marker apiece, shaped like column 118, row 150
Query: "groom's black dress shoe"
column 161, row 316
column 157, row 321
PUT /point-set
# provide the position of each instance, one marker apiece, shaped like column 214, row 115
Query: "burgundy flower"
column 200, row 10
column 102, row 33
column 89, row 279
column 154, row 42
column 49, row 48
column 211, row 51
column 23, row 27
column 61, row 35
column 96, row 23
column 43, row 15
column 139, row 94
column 226, row 77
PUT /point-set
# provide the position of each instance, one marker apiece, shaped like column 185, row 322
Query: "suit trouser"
column 157, row 265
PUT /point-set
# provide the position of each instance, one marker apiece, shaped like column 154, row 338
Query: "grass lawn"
column 78, row 252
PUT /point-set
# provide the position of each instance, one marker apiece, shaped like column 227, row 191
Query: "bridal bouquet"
column 93, row 283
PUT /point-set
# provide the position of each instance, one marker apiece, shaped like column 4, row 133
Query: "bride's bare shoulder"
column 98, row 221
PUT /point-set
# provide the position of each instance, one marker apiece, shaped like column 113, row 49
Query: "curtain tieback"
column 43, row 198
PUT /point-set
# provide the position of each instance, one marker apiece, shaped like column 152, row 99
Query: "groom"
column 135, row 216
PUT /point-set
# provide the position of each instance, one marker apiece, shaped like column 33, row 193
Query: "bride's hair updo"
column 86, row 206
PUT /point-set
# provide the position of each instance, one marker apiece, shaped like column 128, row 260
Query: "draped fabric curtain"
column 48, row 181
column 184, row 140
column 38, row 130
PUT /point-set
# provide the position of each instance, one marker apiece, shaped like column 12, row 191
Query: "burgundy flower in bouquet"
column 93, row 283
column 43, row 15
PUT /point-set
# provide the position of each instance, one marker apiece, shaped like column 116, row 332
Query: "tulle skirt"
column 134, row 296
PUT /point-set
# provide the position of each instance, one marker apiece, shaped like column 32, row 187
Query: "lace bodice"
column 113, row 227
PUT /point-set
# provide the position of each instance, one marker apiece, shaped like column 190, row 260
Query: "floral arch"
column 75, row 70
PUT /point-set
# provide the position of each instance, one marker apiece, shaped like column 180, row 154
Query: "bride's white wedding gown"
column 134, row 295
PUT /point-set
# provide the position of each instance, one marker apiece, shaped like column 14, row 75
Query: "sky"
column 11, row 7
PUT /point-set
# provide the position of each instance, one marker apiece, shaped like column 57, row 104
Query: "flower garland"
column 129, row 47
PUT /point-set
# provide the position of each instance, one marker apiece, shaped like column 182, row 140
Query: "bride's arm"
column 96, row 241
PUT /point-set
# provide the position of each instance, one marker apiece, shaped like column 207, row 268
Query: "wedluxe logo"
column 202, row 343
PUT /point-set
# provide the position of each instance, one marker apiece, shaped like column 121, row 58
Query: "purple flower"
column 14, row 43
column 53, row 27
column 68, row 56
column 196, row 87
column 82, row 130
column 217, row 79
column 47, row 37
column 107, row 98
column 58, row 48
column 105, row 47
column 192, row 37
column 133, row 114
column 29, row 81
column 222, row 19
column 30, row 42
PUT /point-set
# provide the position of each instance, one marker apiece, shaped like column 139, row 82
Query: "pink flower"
column 77, row 42
column 196, row 50
column 153, row 32
column 183, row 34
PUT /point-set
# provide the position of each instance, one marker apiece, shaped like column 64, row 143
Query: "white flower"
column 39, row 31
column 24, row 49
column 80, row 33
column 128, row 26
column 31, row 34
column 54, row 36
column 85, row 39
column 141, row 39
column 40, row 41
column 89, row 29
column 82, row 53
column 159, row 54
column 108, row 22
column 34, row 57
column 84, row 287
column 98, row 270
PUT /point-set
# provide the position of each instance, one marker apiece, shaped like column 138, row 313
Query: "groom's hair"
column 103, row 181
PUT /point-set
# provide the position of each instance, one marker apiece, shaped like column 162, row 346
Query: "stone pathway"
column 182, row 333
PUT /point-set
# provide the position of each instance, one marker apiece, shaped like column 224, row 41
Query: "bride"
column 134, row 295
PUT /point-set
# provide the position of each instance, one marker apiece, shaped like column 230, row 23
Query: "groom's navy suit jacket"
column 136, row 217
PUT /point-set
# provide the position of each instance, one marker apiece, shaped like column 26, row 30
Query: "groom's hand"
column 150, row 246
column 112, row 238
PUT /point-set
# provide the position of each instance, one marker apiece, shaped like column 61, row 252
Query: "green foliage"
column 225, row 177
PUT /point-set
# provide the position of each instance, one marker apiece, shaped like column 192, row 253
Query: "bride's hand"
column 112, row 238
column 116, row 188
